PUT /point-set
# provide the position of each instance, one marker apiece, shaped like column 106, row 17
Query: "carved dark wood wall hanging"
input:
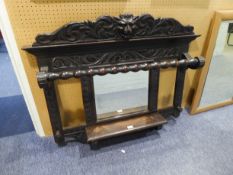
column 109, row 46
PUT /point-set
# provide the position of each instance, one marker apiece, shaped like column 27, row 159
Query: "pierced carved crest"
column 124, row 27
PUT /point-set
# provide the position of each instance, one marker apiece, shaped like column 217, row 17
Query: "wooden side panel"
column 153, row 89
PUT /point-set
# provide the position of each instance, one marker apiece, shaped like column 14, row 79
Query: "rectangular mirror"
column 121, row 93
column 218, row 85
column 215, row 84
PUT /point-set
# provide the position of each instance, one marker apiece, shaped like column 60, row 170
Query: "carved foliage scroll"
column 123, row 27
column 114, row 57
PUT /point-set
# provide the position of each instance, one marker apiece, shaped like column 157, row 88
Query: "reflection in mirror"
column 219, row 85
column 121, row 93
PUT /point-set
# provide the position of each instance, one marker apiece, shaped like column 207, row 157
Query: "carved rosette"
column 123, row 27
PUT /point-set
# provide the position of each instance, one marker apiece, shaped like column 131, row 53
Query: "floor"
column 200, row 145
column 14, row 118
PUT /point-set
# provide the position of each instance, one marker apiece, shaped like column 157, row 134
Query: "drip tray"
column 116, row 128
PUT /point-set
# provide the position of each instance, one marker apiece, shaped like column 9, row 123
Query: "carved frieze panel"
column 106, row 58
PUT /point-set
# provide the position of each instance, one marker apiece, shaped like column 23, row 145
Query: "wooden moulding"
column 117, row 128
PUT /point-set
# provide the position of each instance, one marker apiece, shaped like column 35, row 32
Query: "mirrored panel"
column 121, row 93
column 219, row 85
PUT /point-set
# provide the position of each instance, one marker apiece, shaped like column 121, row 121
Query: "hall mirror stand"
column 113, row 45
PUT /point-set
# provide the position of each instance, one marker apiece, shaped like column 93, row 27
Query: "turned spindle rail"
column 187, row 63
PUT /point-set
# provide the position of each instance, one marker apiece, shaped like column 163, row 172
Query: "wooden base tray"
column 116, row 128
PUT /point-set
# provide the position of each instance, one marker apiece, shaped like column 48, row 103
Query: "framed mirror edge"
column 219, row 16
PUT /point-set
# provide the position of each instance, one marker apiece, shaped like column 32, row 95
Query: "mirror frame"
column 219, row 16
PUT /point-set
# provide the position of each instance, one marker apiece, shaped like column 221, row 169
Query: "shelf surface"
column 116, row 128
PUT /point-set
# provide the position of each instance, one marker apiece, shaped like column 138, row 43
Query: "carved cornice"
column 123, row 27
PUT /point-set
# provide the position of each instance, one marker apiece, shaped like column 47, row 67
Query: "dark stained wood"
column 179, row 86
column 103, row 131
column 79, row 73
column 153, row 89
column 54, row 114
column 112, row 45
column 89, row 99
column 124, row 27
